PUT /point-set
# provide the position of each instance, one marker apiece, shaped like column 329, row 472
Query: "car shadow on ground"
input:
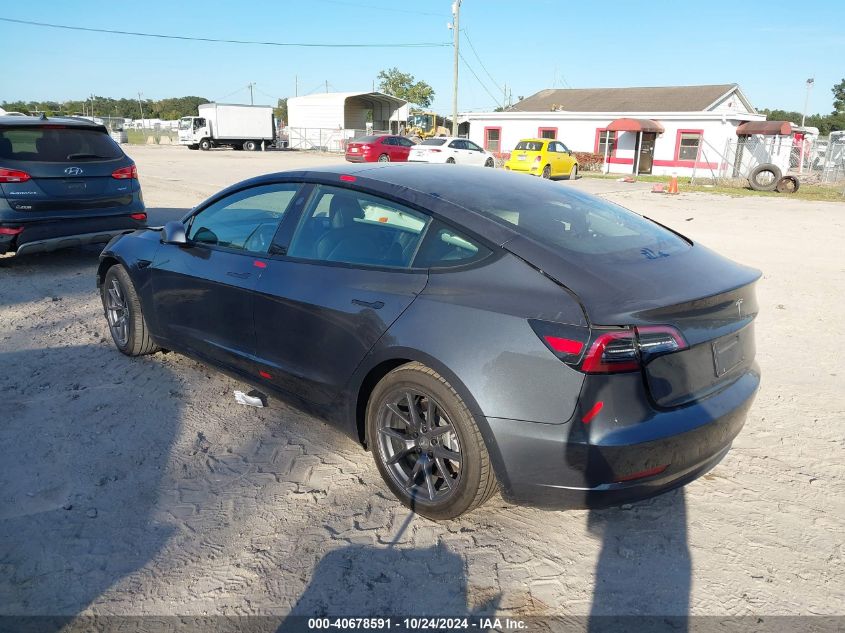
column 360, row 581
column 80, row 476
column 644, row 567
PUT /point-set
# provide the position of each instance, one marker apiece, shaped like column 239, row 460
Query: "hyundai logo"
column 74, row 171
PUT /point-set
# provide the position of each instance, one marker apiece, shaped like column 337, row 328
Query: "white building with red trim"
column 658, row 130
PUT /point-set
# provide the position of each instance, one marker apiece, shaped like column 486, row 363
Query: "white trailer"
column 228, row 125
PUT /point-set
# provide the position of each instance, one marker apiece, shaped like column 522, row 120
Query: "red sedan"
column 382, row 149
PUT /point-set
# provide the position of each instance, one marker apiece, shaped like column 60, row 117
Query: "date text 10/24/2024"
column 417, row 624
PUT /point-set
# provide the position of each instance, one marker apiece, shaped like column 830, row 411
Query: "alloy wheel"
column 117, row 313
column 419, row 446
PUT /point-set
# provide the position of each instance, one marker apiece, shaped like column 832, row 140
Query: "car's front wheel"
column 427, row 445
column 490, row 163
column 124, row 315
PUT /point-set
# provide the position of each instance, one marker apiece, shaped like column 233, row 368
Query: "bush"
column 589, row 161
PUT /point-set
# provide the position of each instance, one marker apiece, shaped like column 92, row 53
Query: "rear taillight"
column 365, row 147
column 606, row 351
column 10, row 230
column 538, row 159
column 138, row 216
column 125, row 173
column 13, row 175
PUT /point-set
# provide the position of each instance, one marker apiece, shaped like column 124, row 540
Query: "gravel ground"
column 141, row 487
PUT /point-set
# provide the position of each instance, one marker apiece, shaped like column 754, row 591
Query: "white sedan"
column 450, row 149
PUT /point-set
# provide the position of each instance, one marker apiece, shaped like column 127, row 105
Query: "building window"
column 688, row 143
column 606, row 141
column 492, row 139
column 547, row 132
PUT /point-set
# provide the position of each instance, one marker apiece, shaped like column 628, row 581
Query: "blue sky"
column 769, row 48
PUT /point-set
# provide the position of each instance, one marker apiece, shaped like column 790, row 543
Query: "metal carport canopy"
column 635, row 125
column 766, row 128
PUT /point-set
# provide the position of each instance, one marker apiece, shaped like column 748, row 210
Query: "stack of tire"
column 768, row 177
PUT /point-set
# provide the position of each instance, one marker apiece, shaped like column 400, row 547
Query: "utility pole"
column 140, row 107
column 92, row 105
column 251, row 100
column 810, row 83
column 327, row 86
column 456, row 31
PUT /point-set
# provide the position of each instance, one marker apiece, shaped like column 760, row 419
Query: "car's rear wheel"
column 490, row 163
column 450, row 160
column 250, row 146
column 124, row 315
column 427, row 445
column 547, row 172
column 384, row 158
column 573, row 173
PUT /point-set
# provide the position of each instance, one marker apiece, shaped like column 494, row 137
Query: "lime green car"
column 544, row 157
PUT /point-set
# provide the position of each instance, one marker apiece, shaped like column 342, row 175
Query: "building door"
column 646, row 160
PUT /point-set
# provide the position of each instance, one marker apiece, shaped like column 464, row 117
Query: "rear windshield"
column 433, row 141
column 565, row 219
column 530, row 146
column 366, row 139
column 56, row 145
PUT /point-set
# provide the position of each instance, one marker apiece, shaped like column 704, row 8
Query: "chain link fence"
column 325, row 139
column 818, row 161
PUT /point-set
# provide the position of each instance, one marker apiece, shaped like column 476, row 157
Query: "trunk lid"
column 708, row 298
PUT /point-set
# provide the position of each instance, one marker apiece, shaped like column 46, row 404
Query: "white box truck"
column 228, row 125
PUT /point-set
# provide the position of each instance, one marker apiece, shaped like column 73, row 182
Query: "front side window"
column 340, row 225
column 244, row 221
column 688, row 145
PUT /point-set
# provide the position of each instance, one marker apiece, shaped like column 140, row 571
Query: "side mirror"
column 174, row 233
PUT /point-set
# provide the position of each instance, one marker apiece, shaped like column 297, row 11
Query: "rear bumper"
column 561, row 466
column 44, row 233
column 356, row 158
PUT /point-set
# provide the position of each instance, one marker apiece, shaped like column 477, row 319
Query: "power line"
column 369, row 6
column 224, row 41
column 478, row 57
column 483, row 85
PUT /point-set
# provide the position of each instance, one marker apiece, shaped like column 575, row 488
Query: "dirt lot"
column 141, row 487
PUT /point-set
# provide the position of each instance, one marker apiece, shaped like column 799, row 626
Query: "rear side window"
column 444, row 247
column 530, row 146
column 340, row 225
column 57, row 145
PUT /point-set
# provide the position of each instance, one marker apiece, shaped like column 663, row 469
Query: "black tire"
column 573, row 173
column 384, row 158
column 760, row 176
column 547, row 172
column 450, row 161
column 137, row 336
column 490, row 163
column 250, row 146
column 474, row 481
column 205, row 144
column 195, row 146
column 788, row 184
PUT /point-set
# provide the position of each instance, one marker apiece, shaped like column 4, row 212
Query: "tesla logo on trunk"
column 73, row 171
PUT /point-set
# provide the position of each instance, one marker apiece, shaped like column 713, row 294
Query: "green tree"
column 281, row 111
column 839, row 97
column 402, row 85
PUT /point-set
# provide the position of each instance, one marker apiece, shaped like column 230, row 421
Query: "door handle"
column 238, row 275
column 375, row 305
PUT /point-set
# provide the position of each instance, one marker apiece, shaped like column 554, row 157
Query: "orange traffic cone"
column 673, row 185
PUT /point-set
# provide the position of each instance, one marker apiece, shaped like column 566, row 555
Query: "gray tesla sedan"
column 474, row 329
